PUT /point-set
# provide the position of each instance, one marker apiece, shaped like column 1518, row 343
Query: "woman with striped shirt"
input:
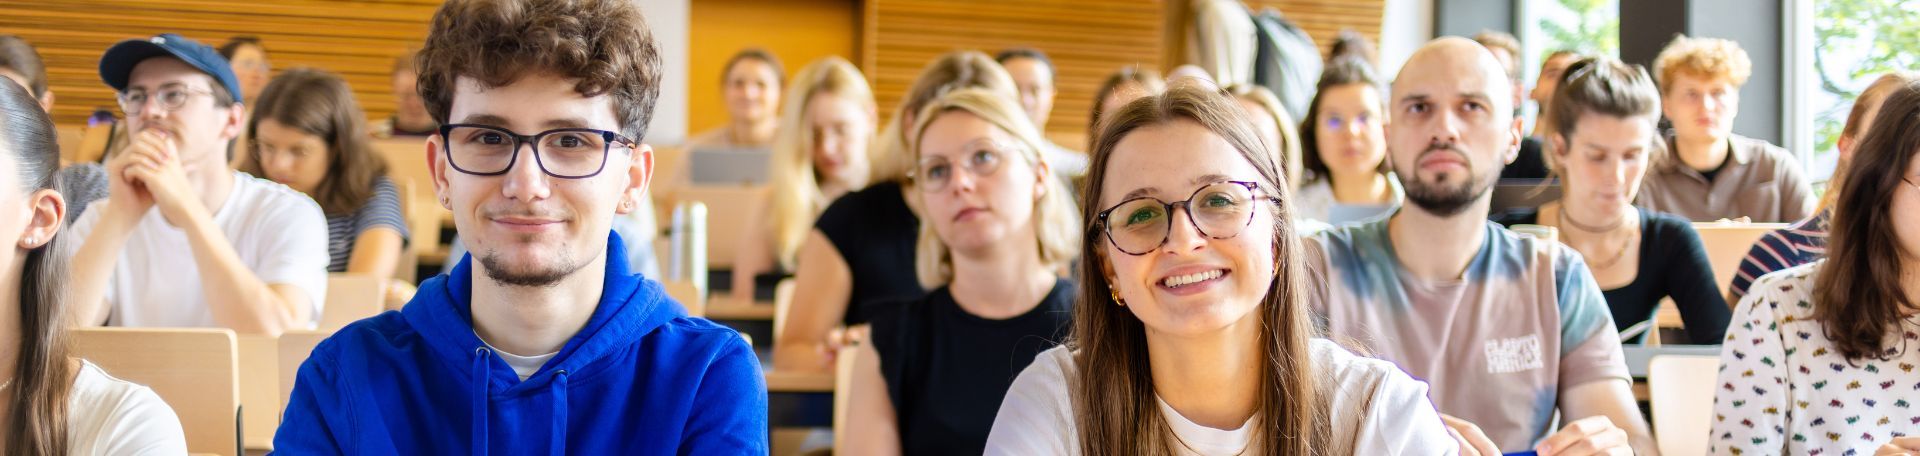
column 309, row 134
column 1806, row 240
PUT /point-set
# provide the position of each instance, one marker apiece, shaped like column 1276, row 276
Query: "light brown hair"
column 18, row 55
column 1145, row 77
column 1857, row 295
column 1715, row 59
column 1113, row 396
column 1603, row 86
column 1496, row 40
column 756, row 54
column 602, row 45
column 321, row 104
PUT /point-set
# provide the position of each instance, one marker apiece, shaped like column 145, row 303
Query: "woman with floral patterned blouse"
column 1821, row 358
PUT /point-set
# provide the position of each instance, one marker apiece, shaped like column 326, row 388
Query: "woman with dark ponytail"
column 51, row 403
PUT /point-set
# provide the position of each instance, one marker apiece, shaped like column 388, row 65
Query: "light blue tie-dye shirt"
column 1523, row 323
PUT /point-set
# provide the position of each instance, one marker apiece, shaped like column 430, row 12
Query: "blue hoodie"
column 640, row 378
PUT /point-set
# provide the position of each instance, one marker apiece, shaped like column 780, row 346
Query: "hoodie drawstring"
column 481, row 389
column 559, row 387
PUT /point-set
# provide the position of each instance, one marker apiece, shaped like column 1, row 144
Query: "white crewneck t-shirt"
column 110, row 416
column 524, row 366
column 1376, row 407
column 278, row 232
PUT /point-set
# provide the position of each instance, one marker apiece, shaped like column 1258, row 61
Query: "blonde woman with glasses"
column 997, row 229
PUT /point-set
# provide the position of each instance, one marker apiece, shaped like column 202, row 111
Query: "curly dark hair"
column 605, row 45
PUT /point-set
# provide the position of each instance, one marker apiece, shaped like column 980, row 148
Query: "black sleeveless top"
column 947, row 370
column 874, row 231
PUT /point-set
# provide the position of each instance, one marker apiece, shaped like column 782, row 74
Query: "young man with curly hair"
column 1716, row 174
column 543, row 341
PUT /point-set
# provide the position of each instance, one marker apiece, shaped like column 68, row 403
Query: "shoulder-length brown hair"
column 1857, row 295
column 43, row 372
column 321, row 104
column 1113, row 395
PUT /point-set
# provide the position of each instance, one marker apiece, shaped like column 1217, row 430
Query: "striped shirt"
column 1798, row 244
column 380, row 211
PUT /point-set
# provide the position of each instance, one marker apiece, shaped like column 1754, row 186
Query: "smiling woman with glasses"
column 1191, row 333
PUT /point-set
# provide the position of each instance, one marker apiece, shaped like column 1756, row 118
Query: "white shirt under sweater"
column 278, row 232
column 110, row 416
column 1037, row 415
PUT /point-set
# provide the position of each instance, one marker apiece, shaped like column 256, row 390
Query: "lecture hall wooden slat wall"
column 1087, row 39
column 1323, row 19
column 357, row 39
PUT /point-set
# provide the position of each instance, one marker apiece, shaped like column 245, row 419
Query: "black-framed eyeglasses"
column 1220, row 210
column 566, row 153
column 171, row 98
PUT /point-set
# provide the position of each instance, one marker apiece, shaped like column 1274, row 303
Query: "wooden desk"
column 727, row 309
column 799, row 382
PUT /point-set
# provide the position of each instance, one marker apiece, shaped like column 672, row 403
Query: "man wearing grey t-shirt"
column 1506, row 328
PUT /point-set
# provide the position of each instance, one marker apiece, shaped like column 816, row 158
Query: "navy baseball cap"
column 116, row 67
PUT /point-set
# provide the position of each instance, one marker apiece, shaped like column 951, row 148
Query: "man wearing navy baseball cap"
column 183, row 240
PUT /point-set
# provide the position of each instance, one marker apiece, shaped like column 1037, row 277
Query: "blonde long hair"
column 1055, row 225
column 953, row 71
column 794, row 190
column 1113, row 395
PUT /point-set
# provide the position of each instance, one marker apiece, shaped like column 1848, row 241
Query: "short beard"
column 1445, row 201
column 550, row 277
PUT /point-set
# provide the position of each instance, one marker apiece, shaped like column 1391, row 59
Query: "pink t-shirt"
column 1523, row 323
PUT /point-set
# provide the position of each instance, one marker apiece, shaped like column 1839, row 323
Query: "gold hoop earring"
column 1116, row 297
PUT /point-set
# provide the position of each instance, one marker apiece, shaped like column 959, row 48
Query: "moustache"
column 517, row 211
column 1439, row 147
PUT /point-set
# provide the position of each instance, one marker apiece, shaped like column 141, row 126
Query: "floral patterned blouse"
column 1784, row 389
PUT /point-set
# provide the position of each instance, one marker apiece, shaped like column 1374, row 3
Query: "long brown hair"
column 1857, row 296
column 321, row 104
column 1113, row 395
column 43, row 373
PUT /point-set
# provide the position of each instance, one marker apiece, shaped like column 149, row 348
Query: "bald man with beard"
column 1507, row 328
